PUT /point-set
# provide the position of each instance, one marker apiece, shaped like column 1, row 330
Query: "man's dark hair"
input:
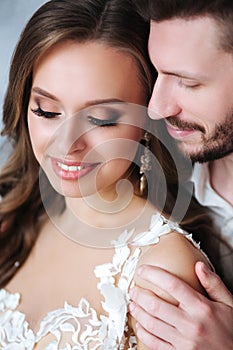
column 219, row 10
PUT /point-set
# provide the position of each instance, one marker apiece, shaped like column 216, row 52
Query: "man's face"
column 194, row 88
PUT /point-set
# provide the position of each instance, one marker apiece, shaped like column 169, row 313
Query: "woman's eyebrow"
column 44, row 93
column 90, row 103
column 103, row 101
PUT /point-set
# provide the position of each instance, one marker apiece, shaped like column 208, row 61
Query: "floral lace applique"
column 80, row 328
column 14, row 330
column 159, row 226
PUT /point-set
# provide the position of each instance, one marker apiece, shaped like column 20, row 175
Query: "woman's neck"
column 84, row 222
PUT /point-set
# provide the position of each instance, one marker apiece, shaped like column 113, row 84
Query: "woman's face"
column 83, row 137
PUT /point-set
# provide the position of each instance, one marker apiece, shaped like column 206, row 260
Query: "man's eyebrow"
column 47, row 94
column 185, row 75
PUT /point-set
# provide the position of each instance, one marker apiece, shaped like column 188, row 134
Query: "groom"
column 191, row 47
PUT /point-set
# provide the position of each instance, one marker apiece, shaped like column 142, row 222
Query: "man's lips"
column 179, row 132
column 71, row 170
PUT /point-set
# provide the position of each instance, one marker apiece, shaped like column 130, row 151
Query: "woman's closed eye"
column 110, row 121
column 44, row 114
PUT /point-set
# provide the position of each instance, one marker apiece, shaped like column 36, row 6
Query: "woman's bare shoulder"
column 176, row 254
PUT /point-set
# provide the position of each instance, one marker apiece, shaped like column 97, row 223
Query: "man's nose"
column 163, row 102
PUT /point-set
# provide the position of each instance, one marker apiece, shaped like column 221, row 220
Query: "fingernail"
column 139, row 270
column 131, row 292
column 205, row 269
column 132, row 306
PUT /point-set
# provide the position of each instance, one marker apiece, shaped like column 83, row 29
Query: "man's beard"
column 217, row 146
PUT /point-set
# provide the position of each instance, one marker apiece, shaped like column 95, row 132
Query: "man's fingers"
column 213, row 285
column 196, row 322
column 153, row 325
column 151, row 341
column 151, row 331
column 155, row 306
column 171, row 284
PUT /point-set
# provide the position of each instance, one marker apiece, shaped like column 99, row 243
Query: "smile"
column 179, row 133
column 71, row 167
column 71, row 170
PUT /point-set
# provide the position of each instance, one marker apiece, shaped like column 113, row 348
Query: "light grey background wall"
column 13, row 16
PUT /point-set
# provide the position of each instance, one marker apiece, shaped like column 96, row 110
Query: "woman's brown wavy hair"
column 114, row 23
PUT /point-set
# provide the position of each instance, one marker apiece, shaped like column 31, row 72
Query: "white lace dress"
column 79, row 327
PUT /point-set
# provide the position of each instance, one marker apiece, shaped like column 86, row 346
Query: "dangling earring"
column 145, row 165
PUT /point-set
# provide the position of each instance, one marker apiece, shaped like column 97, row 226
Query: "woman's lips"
column 71, row 170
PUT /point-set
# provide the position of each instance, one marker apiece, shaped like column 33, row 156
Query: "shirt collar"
column 204, row 192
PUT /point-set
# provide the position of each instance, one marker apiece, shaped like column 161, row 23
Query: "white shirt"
column 206, row 196
column 222, row 214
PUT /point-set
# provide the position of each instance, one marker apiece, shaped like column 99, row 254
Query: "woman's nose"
column 72, row 136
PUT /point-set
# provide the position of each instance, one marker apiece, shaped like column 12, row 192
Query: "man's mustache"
column 181, row 124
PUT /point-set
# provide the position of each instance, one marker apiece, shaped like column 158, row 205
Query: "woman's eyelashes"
column 102, row 122
column 109, row 119
column 45, row 114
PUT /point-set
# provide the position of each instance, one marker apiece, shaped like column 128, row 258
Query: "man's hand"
column 196, row 322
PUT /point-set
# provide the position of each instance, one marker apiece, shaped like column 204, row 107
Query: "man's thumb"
column 213, row 285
